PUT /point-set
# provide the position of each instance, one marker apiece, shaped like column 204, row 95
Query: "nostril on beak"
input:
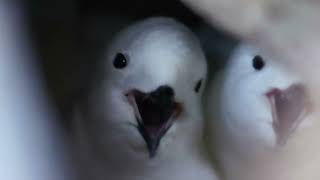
column 163, row 94
column 166, row 91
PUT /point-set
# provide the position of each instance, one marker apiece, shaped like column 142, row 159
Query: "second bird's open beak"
column 289, row 108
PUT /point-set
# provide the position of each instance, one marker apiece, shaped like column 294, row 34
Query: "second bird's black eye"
column 120, row 61
column 198, row 86
column 258, row 63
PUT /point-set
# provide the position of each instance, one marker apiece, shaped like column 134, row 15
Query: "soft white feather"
column 241, row 133
column 160, row 51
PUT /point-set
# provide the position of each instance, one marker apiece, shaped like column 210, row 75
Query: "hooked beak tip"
column 152, row 142
column 153, row 147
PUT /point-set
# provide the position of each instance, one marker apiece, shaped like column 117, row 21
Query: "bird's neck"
column 182, row 165
column 181, row 158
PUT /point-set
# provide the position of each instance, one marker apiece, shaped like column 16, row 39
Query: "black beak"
column 155, row 113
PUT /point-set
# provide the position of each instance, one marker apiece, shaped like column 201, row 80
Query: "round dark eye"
column 198, row 86
column 258, row 63
column 120, row 61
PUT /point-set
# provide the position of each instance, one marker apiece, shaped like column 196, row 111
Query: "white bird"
column 258, row 112
column 142, row 119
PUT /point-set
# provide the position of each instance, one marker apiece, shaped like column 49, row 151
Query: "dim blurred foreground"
column 30, row 145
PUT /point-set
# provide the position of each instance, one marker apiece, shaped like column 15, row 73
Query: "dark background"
column 69, row 34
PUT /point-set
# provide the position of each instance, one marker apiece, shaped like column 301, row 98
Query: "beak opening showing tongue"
column 155, row 113
column 289, row 107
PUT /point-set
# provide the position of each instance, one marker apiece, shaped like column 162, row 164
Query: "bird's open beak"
column 155, row 113
column 289, row 108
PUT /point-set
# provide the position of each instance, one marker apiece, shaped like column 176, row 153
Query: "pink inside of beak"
column 289, row 108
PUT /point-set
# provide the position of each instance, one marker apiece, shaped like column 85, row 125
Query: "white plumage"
column 112, row 135
column 258, row 125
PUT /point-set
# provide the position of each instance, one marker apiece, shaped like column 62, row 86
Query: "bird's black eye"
column 258, row 63
column 198, row 86
column 120, row 61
